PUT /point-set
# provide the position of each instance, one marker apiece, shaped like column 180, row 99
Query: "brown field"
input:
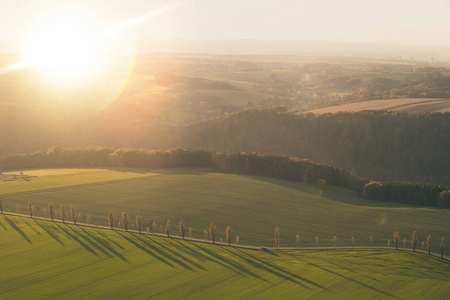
column 411, row 105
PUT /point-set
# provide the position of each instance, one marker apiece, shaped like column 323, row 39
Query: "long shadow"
column 178, row 254
column 16, row 228
column 346, row 277
column 88, row 240
column 173, row 257
column 436, row 260
column 103, row 243
column 32, row 228
column 159, row 256
column 229, row 264
column 348, row 269
column 275, row 270
column 4, row 227
column 100, row 232
column 74, row 237
column 44, row 225
column 189, row 251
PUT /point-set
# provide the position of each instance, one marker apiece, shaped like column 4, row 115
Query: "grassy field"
column 252, row 206
column 412, row 105
column 57, row 178
column 46, row 260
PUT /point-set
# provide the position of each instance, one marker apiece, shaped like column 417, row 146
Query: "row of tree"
column 213, row 229
column 269, row 165
column 396, row 239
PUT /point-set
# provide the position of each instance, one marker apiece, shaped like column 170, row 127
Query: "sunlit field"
column 252, row 206
column 48, row 260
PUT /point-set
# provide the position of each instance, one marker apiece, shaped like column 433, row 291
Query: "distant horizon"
column 441, row 53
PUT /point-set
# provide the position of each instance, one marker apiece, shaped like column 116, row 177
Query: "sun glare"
column 64, row 47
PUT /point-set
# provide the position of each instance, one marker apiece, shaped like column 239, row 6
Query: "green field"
column 45, row 260
column 252, row 206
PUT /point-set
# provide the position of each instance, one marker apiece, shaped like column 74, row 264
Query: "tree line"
column 212, row 231
column 268, row 165
column 380, row 145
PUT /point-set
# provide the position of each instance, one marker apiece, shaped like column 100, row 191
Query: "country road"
column 226, row 244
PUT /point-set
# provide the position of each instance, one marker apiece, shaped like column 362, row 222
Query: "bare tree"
column 111, row 219
column 125, row 220
column 404, row 242
column 190, row 232
column 212, row 232
column 30, row 209
column 139, row 222
column 167, row 228
column 429, row 244
column 51, row 212
column 414, row 240
column 62, row 213
column 237, row 239
column 316, row 241
column 205, row 234
column 88, row 219
column 182, row 228
column 150, row 225
column 441, row 247
column 389, row 243
column 73, row 212
column 396, row 238
column 35, row 210
column 371, row 240
column 297, row 240
column 423, row 245
column 276, row 238
column 228, row 235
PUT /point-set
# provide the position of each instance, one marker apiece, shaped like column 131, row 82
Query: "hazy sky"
column 385, row 21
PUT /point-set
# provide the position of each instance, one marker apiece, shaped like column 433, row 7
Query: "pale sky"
column 381, row 21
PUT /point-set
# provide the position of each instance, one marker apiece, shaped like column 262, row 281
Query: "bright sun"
column 64, row 47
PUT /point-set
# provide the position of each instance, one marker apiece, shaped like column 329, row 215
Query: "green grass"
column 56, row 178
column 252, row 206
column 45, row 260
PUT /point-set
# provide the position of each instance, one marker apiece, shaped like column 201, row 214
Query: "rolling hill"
column 252, row 206
column 51, row 260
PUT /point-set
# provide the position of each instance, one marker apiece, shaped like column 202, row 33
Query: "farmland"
column 252, row 206
column 50, row 260
column 411, row 105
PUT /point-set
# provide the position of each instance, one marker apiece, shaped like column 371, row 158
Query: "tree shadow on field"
column 188, row 250
column 385, row 293
column 100, row 232
column 431, row 260
column 227, row 263
column 66, row 229
column 146, row 240
column 273, row 269
column 32, row 228
column 348, row 269
column 4, row 227
column 49, row 230
column 16, row 228
column 102, row 244
column 158, row 254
